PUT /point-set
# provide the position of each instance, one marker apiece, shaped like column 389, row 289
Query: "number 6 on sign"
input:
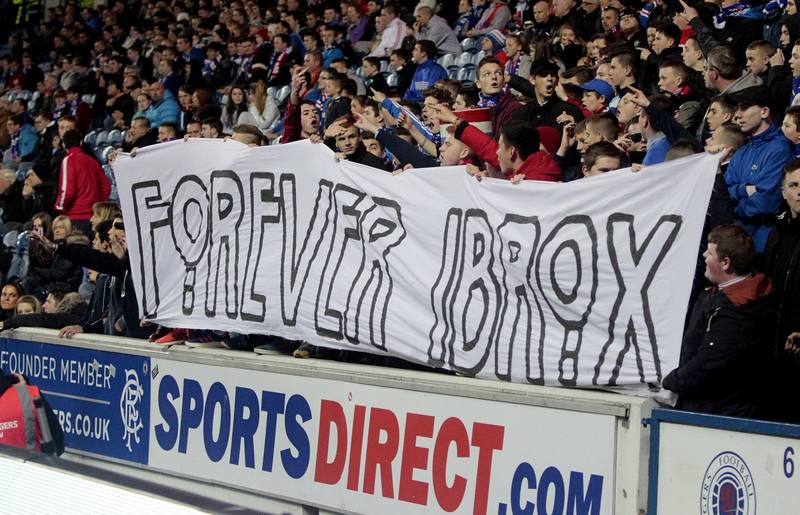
column 788, row 464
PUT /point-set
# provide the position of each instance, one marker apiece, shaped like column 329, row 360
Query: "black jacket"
column 405, row 77
column 46, row 320
column 150, row 138
column 94, row 321
column 62, row 271
column 781, row 261
column 376, row 82
column 541, row 114
column 123, row 288
column 404, row 151
column 782, row 264
column 726, row 350
column 365, row 158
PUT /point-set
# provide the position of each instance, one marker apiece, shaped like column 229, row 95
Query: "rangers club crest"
column 728, row 487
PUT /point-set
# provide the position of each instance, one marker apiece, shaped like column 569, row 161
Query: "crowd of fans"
column 567, row 90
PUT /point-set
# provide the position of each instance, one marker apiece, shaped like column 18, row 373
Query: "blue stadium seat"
column 468, row 45
column 448, row 60
column 282, row 94
column 101, row 140
column 91, row 138
column 464, row 60
column 115, row 137
column 477, row 57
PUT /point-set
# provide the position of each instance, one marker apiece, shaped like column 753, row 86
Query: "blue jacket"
column 395, row 110
column 657, row 152
column 27, row 141
column 425, row 77
column 165, row 110
column 760, row 163
column 329, row 54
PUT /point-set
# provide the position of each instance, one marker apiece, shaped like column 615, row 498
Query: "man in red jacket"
column 516, row 155
column 81, row 183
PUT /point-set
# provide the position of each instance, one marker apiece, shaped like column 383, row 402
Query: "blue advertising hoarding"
column 102, row 399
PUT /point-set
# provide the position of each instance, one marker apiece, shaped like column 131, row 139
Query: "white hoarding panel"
column 370, row 449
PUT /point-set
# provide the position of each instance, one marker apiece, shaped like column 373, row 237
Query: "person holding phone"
column 123, row 310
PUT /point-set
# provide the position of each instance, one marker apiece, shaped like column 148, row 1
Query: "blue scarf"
column 738, row 9
column 15, row 145
column 795, row 87
column 490, row 101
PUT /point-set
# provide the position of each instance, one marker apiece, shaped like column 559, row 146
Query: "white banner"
column 584, row 283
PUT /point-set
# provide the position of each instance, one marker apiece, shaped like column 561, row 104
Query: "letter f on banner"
column 148, row 194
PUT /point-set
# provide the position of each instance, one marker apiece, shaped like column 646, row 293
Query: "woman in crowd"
column 60, row 310
column 143, row 103
column 263, row 108
column 237, row 104
column 61, row 271
column 28, row 305
column 9, row 298
column 103, row 211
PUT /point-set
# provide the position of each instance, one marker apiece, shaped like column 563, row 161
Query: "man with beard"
column 546, row 107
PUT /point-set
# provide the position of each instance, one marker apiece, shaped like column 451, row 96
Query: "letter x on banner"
column 577, row 284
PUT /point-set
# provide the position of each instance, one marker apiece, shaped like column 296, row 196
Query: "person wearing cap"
column 493, row 44
column 755, row 171
column 546, row 107
column 597, row 93
column 631, row 29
